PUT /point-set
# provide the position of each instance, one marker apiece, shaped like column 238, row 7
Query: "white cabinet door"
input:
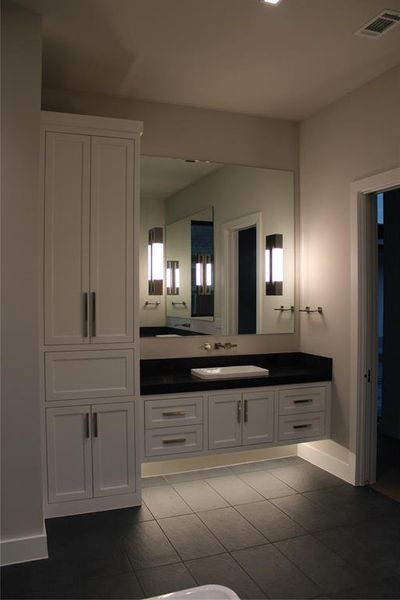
column 113, row 439
column 224, row 421
column 258, row 417
column 69, row 461
column 66, row 252
column 112, row 261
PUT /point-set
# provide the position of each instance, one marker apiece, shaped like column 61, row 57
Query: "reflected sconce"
column 173, row 278
column 204, row 274
column 155, row 259
column 274, row 265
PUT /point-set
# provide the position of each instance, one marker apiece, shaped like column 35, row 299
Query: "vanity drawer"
column 174, row 440
column 302, row 400
column 298, row 427
column 89, row 374
column 170, row 412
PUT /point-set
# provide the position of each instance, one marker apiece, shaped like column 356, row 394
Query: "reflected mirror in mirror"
column 228, row 255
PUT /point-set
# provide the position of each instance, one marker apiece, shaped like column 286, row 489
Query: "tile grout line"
column 211, row 488
column 177, row 551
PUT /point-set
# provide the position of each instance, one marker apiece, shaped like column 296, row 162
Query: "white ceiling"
column 242, row 56
column 163, row 177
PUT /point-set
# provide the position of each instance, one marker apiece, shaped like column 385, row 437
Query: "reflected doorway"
column 247, row 276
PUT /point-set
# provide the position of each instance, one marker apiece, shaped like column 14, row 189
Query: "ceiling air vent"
column 375, row 28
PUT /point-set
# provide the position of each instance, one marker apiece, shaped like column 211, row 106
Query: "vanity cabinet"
column 90, row 451
column 224, row 420
column 240, row 419
column 88, row 232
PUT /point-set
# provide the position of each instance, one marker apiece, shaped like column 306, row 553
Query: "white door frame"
column 229, row 274
column 363, row 403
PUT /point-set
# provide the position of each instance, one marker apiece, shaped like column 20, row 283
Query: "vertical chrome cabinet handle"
column 246, row 411
column 93, row 314
column 87, row 426
column 85, row 314
column 95, row 425
column 239, row 411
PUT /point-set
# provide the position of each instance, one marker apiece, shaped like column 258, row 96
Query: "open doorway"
column 387, row 318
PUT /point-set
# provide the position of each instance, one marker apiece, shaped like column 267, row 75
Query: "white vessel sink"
column 236, row 372
column 203, row 592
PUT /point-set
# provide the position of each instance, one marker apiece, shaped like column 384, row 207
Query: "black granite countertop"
column 168, row 376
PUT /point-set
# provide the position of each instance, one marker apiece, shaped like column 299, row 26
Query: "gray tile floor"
column 272, row 529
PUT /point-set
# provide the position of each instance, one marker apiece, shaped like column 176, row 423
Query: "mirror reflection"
column 216, row 249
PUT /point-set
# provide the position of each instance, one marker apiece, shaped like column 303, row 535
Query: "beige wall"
column 357, row 136
column 183, row 132
column 21, row 489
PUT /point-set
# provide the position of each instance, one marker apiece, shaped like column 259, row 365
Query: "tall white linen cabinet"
column 92, row 421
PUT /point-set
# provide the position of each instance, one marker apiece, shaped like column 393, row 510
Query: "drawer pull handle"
column 246, row 411
column 174, row 413
column 302, row 426
column 305, row 401
column 175, row 441
column 95, row 425
column 93, row 314
column 239, row 411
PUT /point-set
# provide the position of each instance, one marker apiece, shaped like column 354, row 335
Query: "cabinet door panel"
column 258, row 418
column 89, row 374
column 111, row 262
column 69, row 462
column 113, row 435
column 224, row 421
column 66, row 256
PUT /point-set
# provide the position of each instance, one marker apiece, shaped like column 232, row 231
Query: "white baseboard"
column 344, row 469
column 23, row 549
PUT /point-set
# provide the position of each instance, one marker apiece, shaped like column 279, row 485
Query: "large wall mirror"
column 216, row 249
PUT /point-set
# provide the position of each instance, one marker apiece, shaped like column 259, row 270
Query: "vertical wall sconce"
column 155, row 259
column 274, row 265
column 173, row 278
column 204, row 274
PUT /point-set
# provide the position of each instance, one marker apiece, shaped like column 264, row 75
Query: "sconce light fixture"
column 204, row 274
column 155, row 259
column 274, row 265
column 173, row 278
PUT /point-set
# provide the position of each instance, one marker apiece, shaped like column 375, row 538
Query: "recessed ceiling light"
column 270, row 1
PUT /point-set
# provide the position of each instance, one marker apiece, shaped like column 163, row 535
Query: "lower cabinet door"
column 258, row 418
column 224, row 421
column 113, row 443
column 69, row 462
